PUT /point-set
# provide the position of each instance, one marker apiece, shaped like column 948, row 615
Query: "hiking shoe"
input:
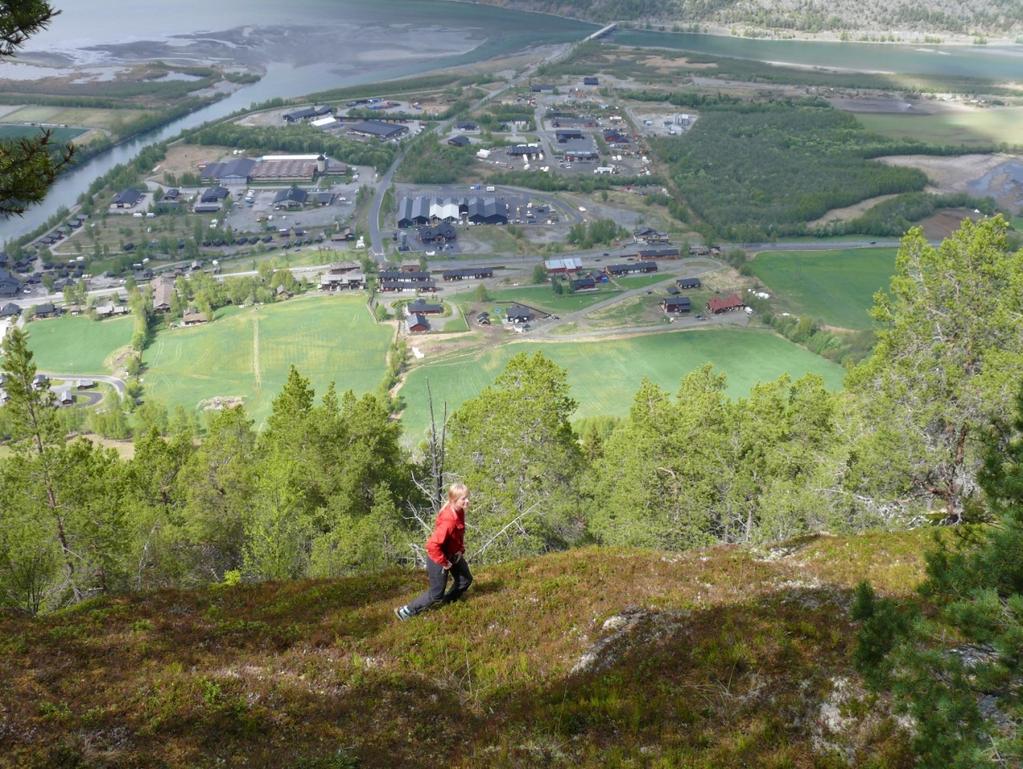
column 402, row 613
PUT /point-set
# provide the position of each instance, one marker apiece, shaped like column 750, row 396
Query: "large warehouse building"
column 421, row 210
column 282, row 169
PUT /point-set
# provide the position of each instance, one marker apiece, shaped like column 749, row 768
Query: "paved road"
column 118, row 384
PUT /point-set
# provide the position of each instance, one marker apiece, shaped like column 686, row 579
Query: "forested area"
column 327, row 488
column 761, row 170
column 430, row 161
column 298, row 138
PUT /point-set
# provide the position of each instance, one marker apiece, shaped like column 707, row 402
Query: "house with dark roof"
column 404, row 276
column 442, row 233
column 459, row 141
column 10, row 310
column 467, row 273
column 516, row 313
column 591, row 80
column 128, row 198
column 293, row 197
column 193, row 318
column 378, row 129
column 418, row 324
column 580, row 149
column 46, row 310
column 307, row 113
column 524, row 151
column 421, row 307
column 689, row 283
column 214, row 195
column 677, row 304
column 583, row 284
column 720, row 304
column 540, row 87
column 233, row 172
column 568, row 134
column 487, row 211
column 467, row 125
column 630, row 268
column 9, row 285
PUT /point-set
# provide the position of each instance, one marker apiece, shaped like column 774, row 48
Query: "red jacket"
column 448, row 538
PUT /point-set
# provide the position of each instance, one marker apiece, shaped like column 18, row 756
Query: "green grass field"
column 970, row 128
column 85, row 117
column 605, row 375
column 834, row 286
column 58, row 135
column 544, row 298
column 247, row 353
column 77, row 345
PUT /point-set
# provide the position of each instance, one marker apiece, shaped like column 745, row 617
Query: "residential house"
column 475, row 273
column 163, row 294
column 630, row 268
column 10, row 310
column 583, row 284
column 46, row 310
column 9, row 285
column 687, row 283
column 459, row 141
column 422, row 307
column 677, row 304
column 418, row 324
column 720, row 304
column 516, row 313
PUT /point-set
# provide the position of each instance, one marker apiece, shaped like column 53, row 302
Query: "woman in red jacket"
column 446, row 551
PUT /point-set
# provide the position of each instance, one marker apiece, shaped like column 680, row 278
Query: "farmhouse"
column 677, row 304
column 630, row 268
column 234, row 172
column 418, row 324
column 718, row 304
column 468, row 273
column 128, row 198
column 442, row 233
column 10, row 310
column 689, row 283
column 420, row 307
column 459, row 141
column 193, row 318
column 163, row 294
column 307, row 113
column 9, row 285
column 516, row 313
column 377, row 129
column 293, row 197
column 562, row 266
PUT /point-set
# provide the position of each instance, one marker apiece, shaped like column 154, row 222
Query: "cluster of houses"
column 344, row 276
column 416, row 314
column 676, row 304
column 424, row 210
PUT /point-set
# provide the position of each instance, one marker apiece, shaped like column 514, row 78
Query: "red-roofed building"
column 720, row 304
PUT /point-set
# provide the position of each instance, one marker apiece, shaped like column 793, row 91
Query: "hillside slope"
column 1001, row 18
column 590, row 658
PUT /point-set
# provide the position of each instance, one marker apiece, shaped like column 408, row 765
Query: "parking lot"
column 261, row 213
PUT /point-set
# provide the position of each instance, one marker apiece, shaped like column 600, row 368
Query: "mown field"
column 59, row 135
column 835, row 286
column 247, row 353
column 973, row 129
column 85, row 117
column 604, row 376
column 79, row 345
column 544, row 298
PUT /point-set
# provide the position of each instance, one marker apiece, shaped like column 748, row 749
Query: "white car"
column 582, row 210
column 431, row 253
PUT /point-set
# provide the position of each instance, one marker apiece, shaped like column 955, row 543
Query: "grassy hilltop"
column 588, row 658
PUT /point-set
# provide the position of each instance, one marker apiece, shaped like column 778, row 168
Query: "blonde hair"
column 456, row 491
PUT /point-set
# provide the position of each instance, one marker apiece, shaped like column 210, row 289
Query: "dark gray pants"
column 438, row 581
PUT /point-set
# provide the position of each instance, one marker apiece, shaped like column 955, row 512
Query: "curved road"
column 118, row 384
